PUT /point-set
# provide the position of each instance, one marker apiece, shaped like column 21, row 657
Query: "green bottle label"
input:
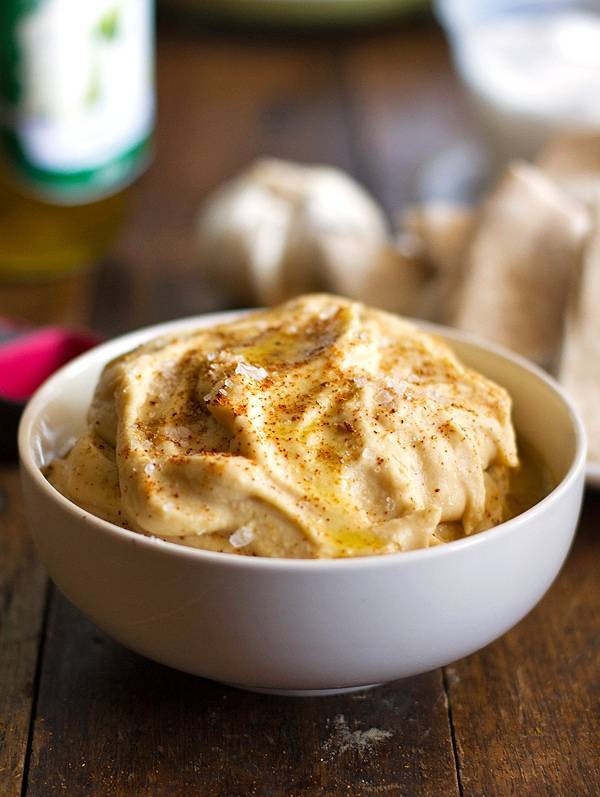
column 76, row 87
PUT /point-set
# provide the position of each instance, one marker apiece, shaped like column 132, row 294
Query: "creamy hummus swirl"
column 321, row 428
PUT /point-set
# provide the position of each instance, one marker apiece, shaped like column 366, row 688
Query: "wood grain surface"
column 526, row 710
column 111, row 722
column 23, row 587
column 80, row 715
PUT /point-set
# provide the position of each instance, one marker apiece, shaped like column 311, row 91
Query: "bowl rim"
column 122, row 343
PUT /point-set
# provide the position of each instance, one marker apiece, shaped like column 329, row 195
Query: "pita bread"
column 573, row 161
column 520, row 263
column 379, row 275
column 580, row 362
column 441, row 231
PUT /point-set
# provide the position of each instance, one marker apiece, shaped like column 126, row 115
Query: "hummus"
column 319, row 429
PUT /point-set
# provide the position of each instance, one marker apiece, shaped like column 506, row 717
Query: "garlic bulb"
column 280, row 229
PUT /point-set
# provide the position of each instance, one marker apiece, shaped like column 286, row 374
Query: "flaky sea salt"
column 168, row 506
column 369, row 456
column 325, row 315
column 385, row 397
column 149, row 468
column 251, row 371
column 400, row 386
column 179, row 434
column 242, row 537
column 220, row 389
column 440, row 398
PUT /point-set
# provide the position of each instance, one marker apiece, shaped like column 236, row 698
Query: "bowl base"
column 303, row 692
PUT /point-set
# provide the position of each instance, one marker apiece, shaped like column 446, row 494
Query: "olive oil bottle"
column 76, row 117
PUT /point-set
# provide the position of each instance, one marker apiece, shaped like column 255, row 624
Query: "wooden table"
column 80, row 715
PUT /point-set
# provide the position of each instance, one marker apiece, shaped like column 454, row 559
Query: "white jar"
column 531, row 69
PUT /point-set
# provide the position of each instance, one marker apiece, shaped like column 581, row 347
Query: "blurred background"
column 364, row 86
column 112, row 211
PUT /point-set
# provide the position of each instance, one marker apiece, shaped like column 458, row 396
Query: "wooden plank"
column 526, row 710
column 111, row 722
column 22, row 600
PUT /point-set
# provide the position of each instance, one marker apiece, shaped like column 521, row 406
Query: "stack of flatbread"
column 523, row 269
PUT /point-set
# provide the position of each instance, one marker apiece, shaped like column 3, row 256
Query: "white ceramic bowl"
column 304, row 626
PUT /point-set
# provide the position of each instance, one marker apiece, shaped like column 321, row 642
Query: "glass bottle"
column 76, row 116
